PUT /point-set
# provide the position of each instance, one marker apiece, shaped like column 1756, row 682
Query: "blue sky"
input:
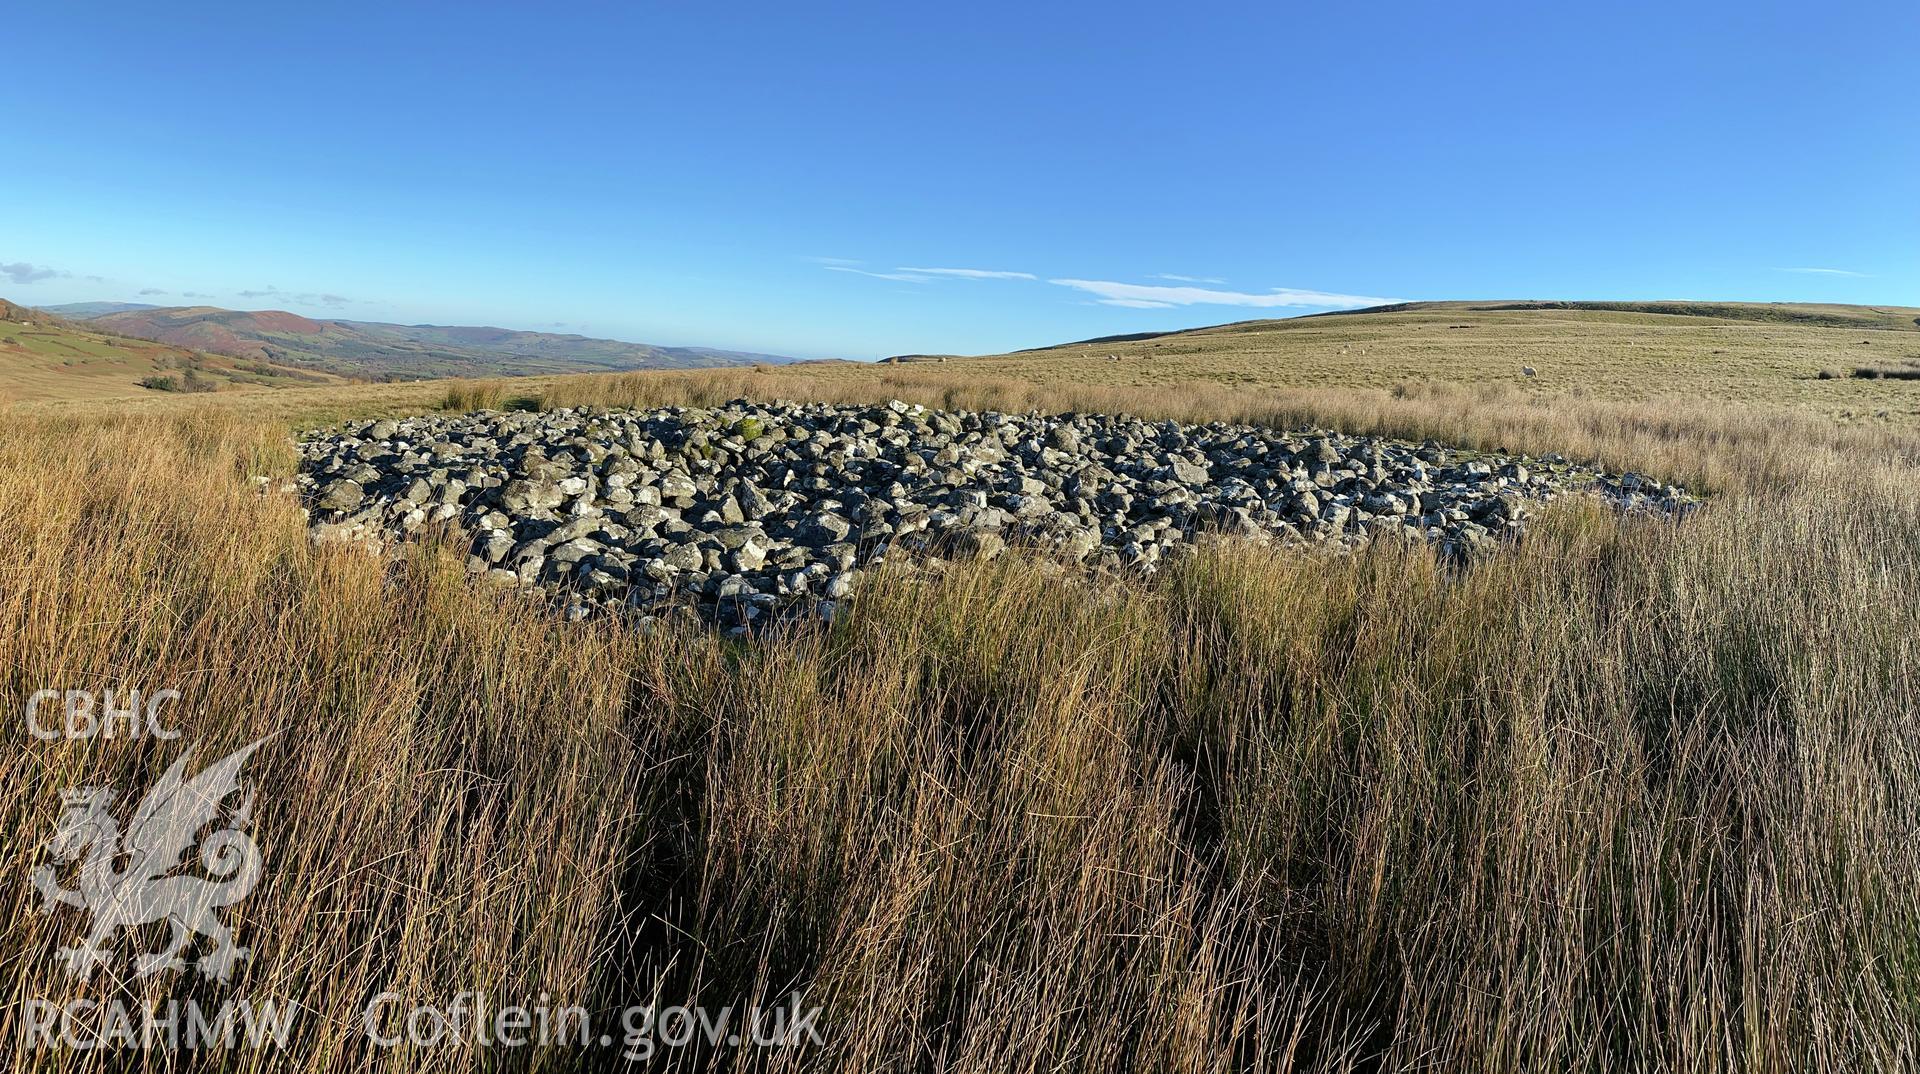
column 865, row 179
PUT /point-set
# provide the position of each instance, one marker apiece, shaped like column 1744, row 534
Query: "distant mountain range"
column 375, row 351
column 80, row 311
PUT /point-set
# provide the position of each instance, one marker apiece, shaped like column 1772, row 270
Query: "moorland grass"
column 1631, row 796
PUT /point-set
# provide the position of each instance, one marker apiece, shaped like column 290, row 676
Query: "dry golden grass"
column 1608, row 356
column 1631, row 796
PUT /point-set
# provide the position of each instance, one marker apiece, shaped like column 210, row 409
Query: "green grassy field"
column 1631, row 796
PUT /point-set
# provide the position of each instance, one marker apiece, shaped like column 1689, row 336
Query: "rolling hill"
column 80, row 311
column 44, row 357
column 1793, row 354
column 1806, row 314
column 378, row 351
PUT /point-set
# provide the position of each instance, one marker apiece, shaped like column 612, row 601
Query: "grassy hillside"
column 49, row 358
column 1638, row 355
column 1633, row 796
column 1809, row 314
column 374, row 351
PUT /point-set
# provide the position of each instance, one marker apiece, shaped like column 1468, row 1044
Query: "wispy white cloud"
column 910, row 274
column 1148, row 296
column 305, row 298
column 972, row 273
column 901, row 277
column 835, row 260
column 1127, row 295
column 22, row 272
column 1825, row 272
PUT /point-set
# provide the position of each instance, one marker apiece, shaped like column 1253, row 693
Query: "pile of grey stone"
column 754, row 513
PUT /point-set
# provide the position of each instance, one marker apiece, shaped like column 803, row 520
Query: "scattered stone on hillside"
column 758, row 512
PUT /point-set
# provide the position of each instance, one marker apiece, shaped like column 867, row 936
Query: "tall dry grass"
column 1632, row 796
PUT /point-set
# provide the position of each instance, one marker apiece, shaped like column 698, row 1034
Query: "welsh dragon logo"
column 124, row 882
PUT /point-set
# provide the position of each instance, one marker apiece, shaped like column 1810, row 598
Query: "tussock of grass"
column 466, row 396
column 1633, row 796
column 1910, row 371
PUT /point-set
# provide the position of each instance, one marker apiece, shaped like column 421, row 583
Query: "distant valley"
column 369, row 350
column 46, row 357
